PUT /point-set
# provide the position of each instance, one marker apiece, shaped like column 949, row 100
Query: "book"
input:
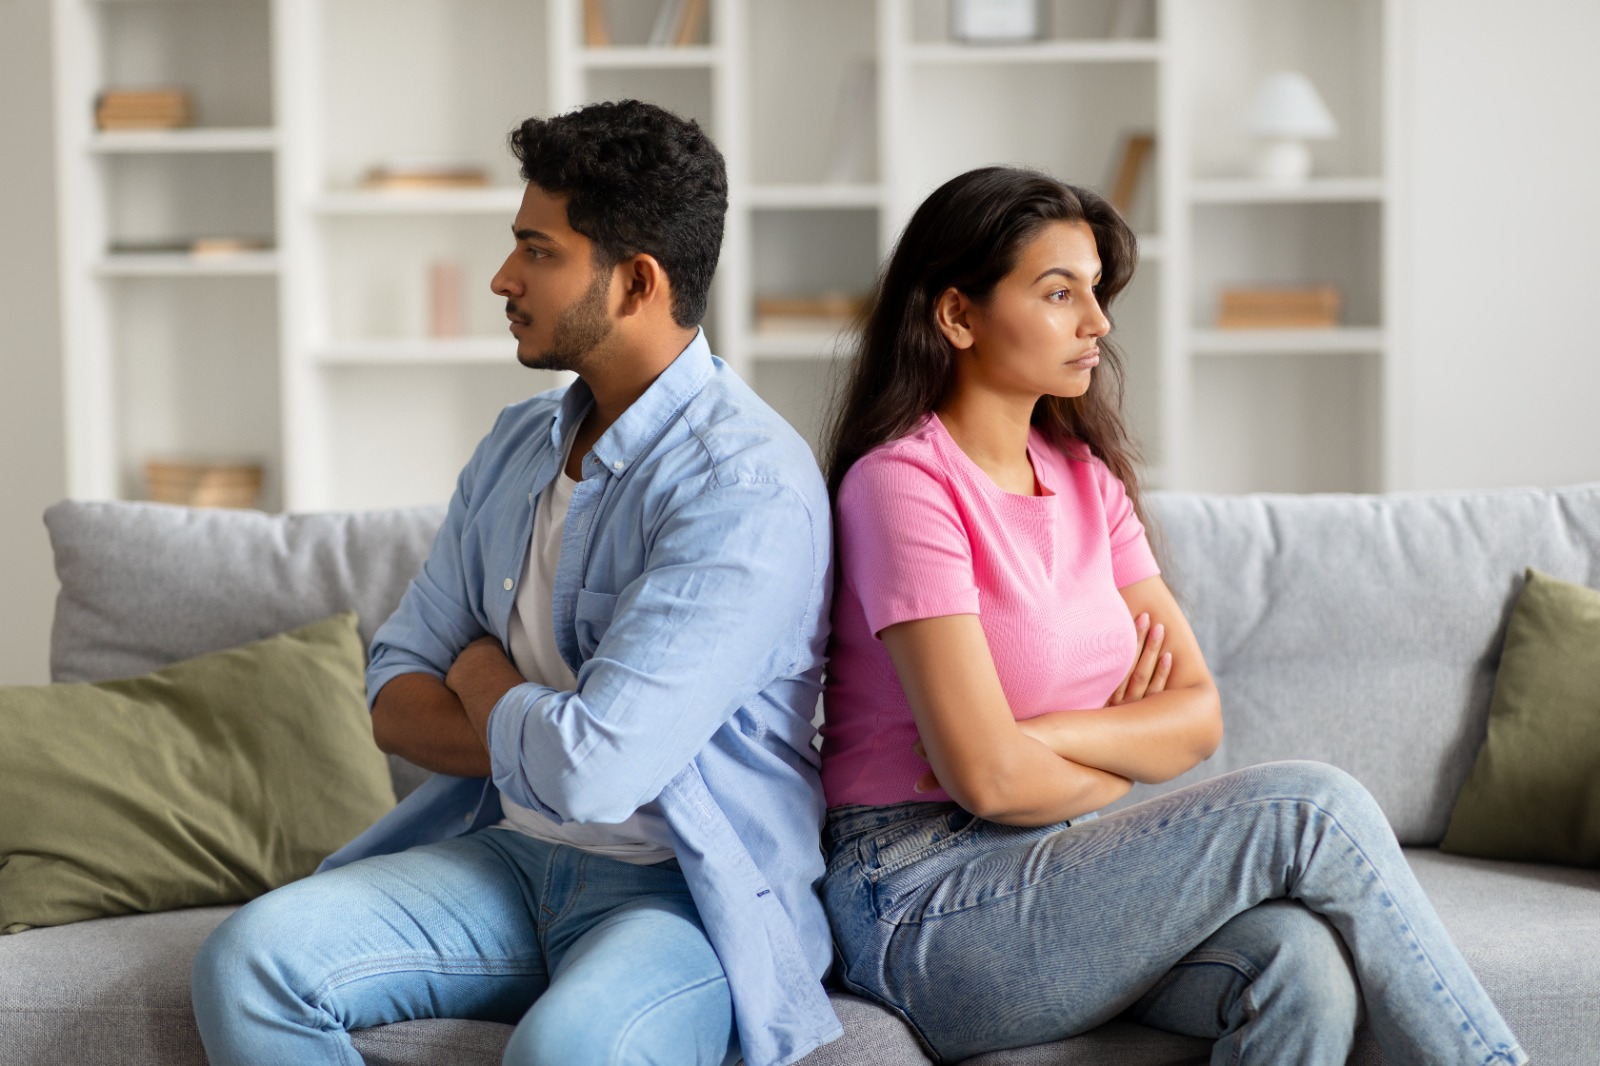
column 665, row 27
column 1136, row 149
column 1279, row 307
column 850, row 149
column 159, row 108
column 826, row 313
column 691, row 22
column 596, row 30
column 425, row 174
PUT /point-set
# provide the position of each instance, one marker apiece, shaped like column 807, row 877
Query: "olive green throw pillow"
column 1534, row 794
column 210, row 781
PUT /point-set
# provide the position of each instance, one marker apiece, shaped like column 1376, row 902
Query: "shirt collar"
column 640, row 425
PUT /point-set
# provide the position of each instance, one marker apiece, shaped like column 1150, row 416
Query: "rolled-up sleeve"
column 728, row 600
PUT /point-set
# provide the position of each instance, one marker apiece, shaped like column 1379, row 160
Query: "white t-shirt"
column 644, row 837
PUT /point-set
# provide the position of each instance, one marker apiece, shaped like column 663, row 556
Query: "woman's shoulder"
column 910, row 459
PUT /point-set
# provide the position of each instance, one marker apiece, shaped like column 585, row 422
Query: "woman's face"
column 1038, row 333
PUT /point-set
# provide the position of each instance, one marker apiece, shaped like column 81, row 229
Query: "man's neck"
column 617, row 378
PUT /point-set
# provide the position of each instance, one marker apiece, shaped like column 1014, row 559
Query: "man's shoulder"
column 740, row 438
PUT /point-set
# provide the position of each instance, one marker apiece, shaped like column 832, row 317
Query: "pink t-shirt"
column 922, row 533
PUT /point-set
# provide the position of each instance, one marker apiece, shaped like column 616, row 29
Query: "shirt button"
column 506, row 584
column 617, row 465
column 530, row 497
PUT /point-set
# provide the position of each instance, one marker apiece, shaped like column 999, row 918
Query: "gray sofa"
column 1363, row 631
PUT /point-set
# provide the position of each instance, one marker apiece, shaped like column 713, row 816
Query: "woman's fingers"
column 1145, row 668
column 1141, row 627
column 1158, row 682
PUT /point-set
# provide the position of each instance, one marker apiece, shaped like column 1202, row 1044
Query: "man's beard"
column 579, row 329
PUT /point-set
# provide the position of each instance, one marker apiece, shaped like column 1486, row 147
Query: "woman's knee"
column 1308, row 974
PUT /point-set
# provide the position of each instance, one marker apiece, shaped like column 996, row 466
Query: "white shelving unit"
column 836, row 118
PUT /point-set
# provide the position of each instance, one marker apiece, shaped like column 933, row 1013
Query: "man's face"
column 559, row 305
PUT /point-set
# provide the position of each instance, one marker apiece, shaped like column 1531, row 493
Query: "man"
column 610, row 658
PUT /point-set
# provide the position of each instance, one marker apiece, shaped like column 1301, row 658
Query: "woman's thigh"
column 998, row 937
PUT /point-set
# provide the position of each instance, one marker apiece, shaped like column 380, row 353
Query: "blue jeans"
column 594, row 960
column 1265, row 909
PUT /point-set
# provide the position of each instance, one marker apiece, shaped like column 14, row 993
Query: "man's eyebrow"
column 1063, row 271
column 531, row 235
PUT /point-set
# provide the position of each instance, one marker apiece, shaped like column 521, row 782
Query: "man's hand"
column 480, row 675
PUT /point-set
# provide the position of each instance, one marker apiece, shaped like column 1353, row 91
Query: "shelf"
column 1119, row 51
column 421, row 351
column 819, row 345
column 192, row 139
column 1315, row 191
column 184, row 265
column 493, row 201
column 815, row 196
column 645, row 57
column 1352, row 340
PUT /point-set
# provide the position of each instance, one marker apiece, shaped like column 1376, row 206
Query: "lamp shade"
column 1286, row 105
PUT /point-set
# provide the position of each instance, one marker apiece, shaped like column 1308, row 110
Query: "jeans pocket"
column 907, row 844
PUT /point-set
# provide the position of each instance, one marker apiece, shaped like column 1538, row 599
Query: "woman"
column 1007, row 660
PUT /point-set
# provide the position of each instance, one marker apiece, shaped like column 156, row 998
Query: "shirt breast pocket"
column 592, row 619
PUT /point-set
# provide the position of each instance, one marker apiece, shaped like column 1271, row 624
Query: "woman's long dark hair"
column 968, row 235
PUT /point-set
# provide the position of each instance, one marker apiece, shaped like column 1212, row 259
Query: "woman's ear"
column 953, row 315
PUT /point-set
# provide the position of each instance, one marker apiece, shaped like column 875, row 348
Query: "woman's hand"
column 1151, row 667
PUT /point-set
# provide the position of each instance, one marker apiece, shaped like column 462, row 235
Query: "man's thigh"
column 442, row 930
column 635, row 980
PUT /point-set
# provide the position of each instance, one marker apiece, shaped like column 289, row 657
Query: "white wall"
column 32, row 469
column 1501, row 352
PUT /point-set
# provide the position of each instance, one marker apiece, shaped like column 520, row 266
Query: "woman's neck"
column 993, row 432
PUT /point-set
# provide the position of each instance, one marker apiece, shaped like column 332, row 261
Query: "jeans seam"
column 639, row 1017
column 415, row 961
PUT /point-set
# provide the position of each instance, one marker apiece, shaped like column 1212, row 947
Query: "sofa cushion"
column 70, row 993
column 1365, row 631
column 1534, row 792
column 144, row 585
column 210, row 781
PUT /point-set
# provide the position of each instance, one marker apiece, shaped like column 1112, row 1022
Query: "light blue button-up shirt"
column 691, row 602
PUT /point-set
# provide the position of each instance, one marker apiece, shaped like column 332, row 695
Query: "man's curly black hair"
column 638, row 179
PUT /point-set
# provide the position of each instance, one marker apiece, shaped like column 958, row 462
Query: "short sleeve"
column 1131, row 558
column 903, row 546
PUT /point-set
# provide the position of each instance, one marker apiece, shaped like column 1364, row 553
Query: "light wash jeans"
column 1265, row 909
column 594, row 960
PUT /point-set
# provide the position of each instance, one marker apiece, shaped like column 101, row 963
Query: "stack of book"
column 1280, row 307
column 425, row 174
column 828, row 313
column 195, row 484
column 143, row 109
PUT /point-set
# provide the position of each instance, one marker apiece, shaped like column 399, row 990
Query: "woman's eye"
column 1060, row 295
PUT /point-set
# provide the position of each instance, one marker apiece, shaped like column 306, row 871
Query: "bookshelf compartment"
column 380, row 275
column 1059, row 20
column 450, row 82
column 445, row 411
column 814, row 84
column 219, row 52
column 685, row 92
column 196, row 375
column 162, row 202
column 1265, row 425
column 968, row 116
column 1260, row 245
column 802, row 391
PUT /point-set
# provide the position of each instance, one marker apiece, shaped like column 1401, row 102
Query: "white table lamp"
column 1285, row 113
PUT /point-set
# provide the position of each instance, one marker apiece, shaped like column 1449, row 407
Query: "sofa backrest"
column 1365, row 631
column 144, row 585
column 1359, row 630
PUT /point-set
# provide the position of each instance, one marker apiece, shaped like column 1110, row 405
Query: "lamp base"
column 1284, row 162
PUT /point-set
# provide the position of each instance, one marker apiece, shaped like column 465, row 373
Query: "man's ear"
column 642, row 283
column 952, row 313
